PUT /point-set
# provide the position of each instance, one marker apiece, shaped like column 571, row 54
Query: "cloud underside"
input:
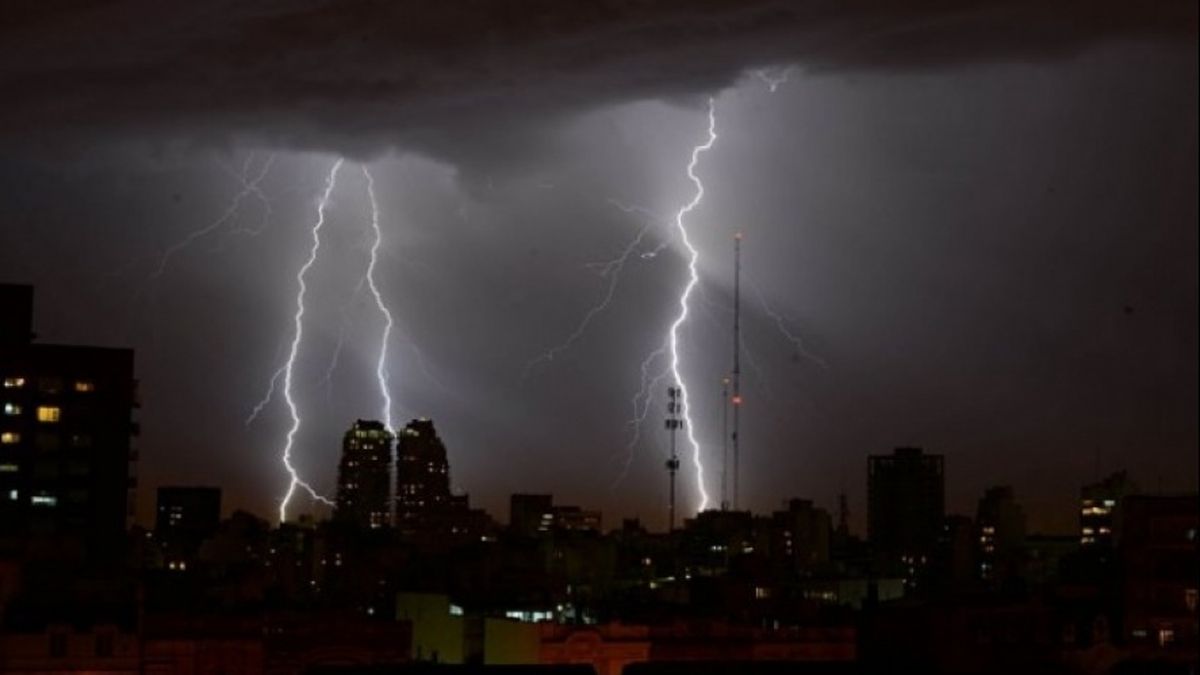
column 358, row 76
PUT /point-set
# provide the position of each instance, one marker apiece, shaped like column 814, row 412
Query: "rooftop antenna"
column 737, row 365
column 674, row 423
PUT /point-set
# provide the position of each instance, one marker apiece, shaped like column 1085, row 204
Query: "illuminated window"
column 13, row 495
column 48, row 413
column 10, row 437
column 10, row 468
column 14, row 382
column 12, row 409
column 44, row 500
column 84, row 386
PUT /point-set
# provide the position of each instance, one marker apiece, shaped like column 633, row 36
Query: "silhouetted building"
column 576, row 519
column 66, row 427
column 1098, row 503
column 422, row 475
column 1000, row 524
column 906, row 508
column 537, row 516
column 956, row 568
column 16, row 319
column 184, row 518
column 426, row 512
column 194, row 512
column 800, row 536
column 1159, row 560
column 530, row 515
column 364, row 476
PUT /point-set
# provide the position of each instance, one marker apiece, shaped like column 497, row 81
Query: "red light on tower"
column 737, row 400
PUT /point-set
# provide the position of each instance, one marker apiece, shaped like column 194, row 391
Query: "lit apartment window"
column 43, row 500
column 84, row 386
column 48, row 413
column 10, row 438
column 9, row 468
column 14, row 382
column 12, row 409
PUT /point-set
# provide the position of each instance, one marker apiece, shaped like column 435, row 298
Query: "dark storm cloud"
column 358, row 75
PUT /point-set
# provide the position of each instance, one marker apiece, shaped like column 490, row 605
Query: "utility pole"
column 674, row 423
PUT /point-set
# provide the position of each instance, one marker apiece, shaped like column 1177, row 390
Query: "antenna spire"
column 737, row 363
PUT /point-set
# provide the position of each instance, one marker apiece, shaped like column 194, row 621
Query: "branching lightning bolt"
column 262, row 403
column 693, row 279
column 773, row 81
column 781, row 324
column 652, row 219
column 381, row 372
column 641, row 407
column 297, row 337
column 340, row 343
column 249, row 187
column 610, row 270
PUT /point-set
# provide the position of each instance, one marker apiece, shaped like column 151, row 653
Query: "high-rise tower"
column 363, row 476
column 422, row 476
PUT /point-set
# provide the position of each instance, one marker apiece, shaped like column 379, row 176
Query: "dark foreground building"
column 906, row 508
column 66, row 430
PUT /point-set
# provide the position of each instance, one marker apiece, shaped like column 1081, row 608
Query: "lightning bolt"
column 773, row 80
column 381, row 373
column 782, row 325
column 641, row 407
column 652, row 219
column 249, row 187
column 297, row 337
column 340, row 343
column 693, row 279
column 262, row 402
column 610, row 270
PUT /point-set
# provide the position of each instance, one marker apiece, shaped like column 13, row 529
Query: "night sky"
column 980, row 218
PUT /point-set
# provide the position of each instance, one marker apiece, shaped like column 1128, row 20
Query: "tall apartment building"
column 66, row 433
column 364, row 476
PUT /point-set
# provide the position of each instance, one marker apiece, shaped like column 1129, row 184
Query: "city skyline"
column 624, row 337
column 980, row 248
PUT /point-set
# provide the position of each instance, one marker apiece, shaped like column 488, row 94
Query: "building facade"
column 422, row 476
column 1098, row 505
column 66, row 432
column 184, row 517
column 1000, row 525
column 364, row 476
column 906, row 508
